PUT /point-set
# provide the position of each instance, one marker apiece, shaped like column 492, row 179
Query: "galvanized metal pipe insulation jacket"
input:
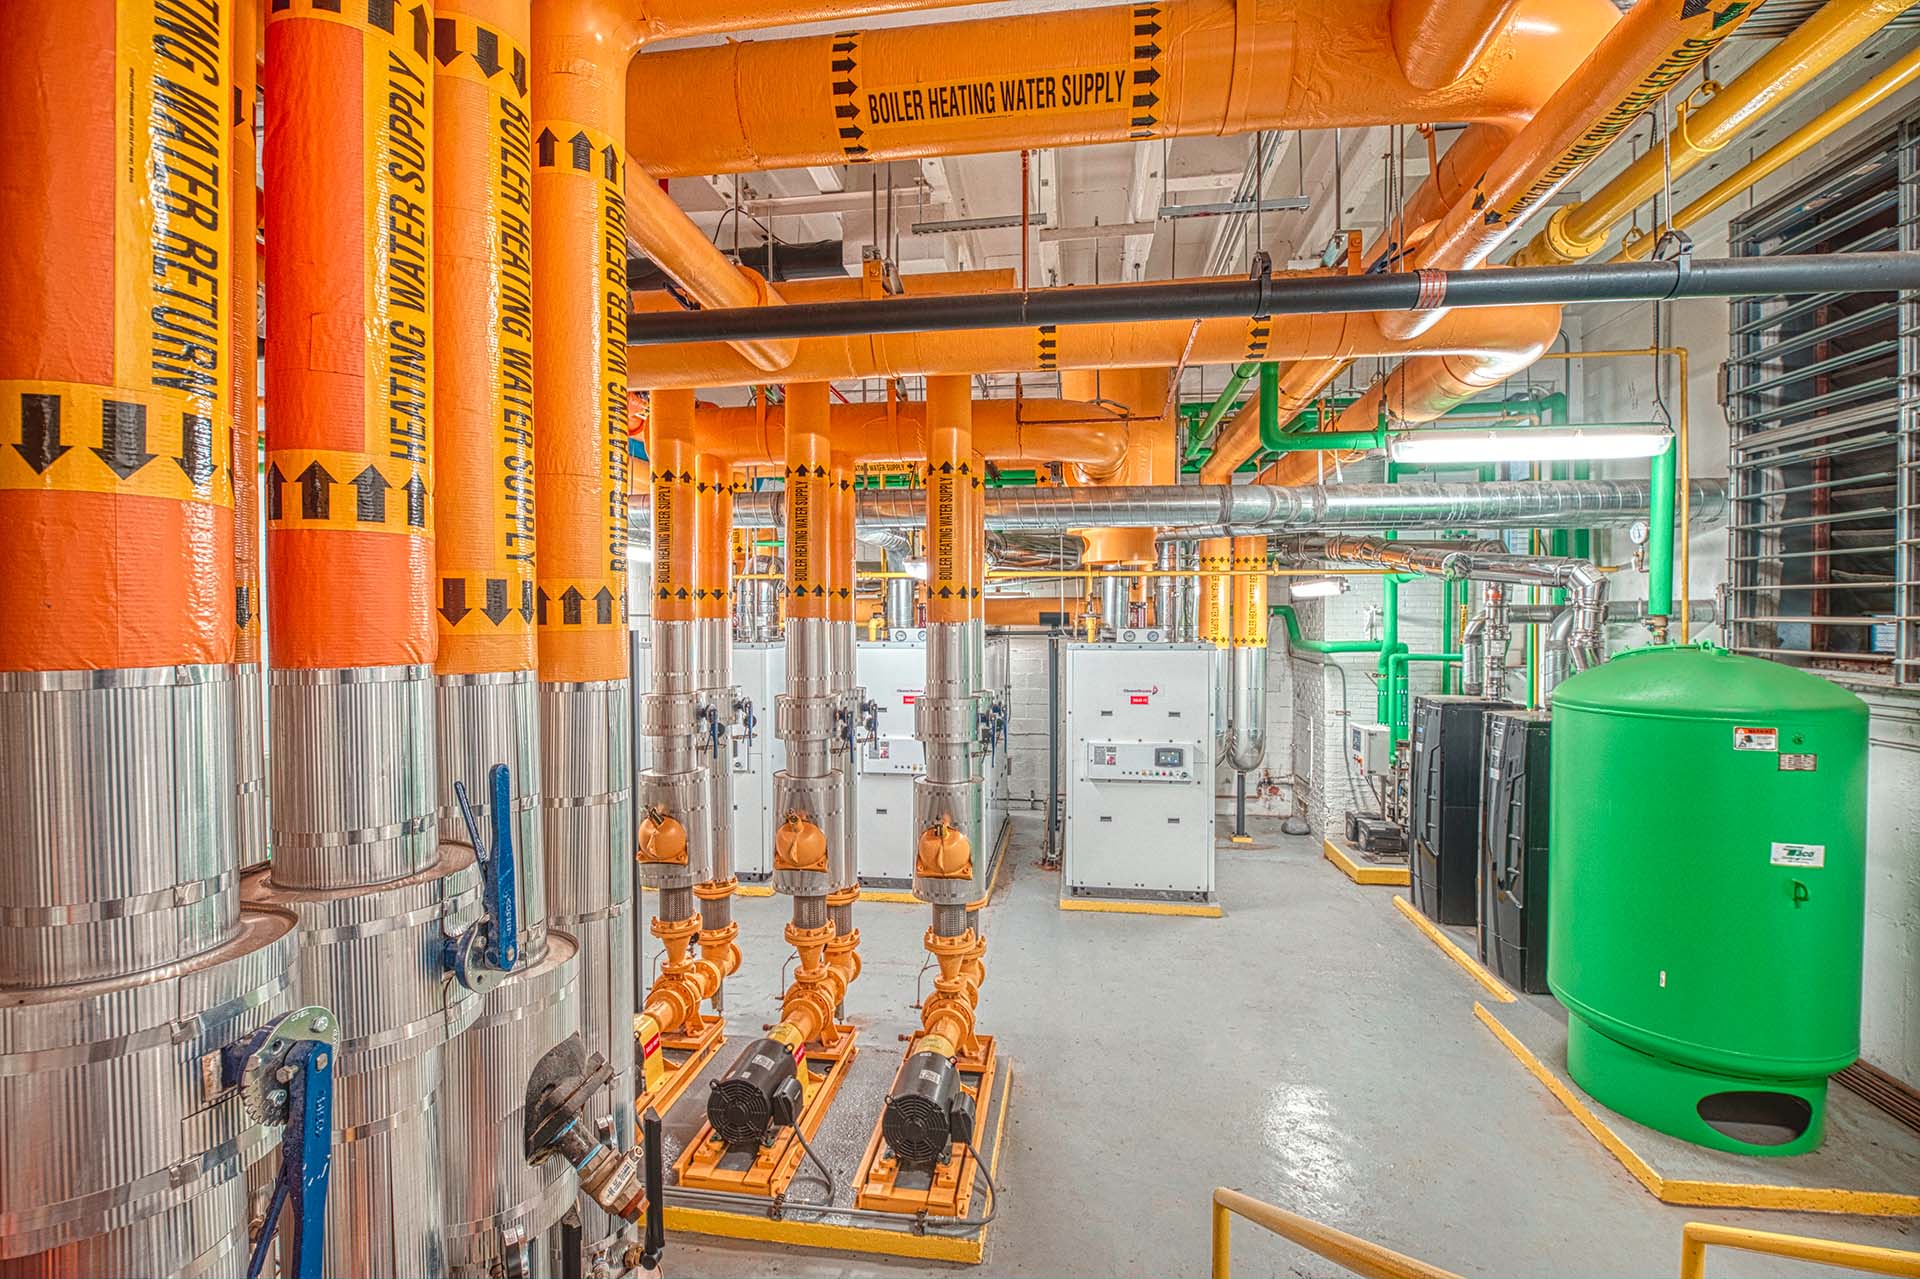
column 1254, row 508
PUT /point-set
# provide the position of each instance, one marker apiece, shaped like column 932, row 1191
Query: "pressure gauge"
column 1637, row 533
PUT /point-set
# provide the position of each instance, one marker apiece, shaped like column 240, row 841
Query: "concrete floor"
column 1310, row 1048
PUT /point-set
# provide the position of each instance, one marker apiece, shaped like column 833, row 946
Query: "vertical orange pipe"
column 1249, row 592
column 953, row 552
column 713, row 523
column 349, row 193
column 809, row 500
column 841, row 541
column 483, row 595
column 676, row 553
column 243, row 310
column 579, row 61
column 1216, row 591
column 115, row 392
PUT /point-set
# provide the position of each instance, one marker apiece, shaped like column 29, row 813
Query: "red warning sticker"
column 1756, row 739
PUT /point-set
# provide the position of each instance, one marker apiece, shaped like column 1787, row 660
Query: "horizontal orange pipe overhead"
column 1074, row 78
column 677, row 19
column 1003, row 430
column 1652, row 48
column 668, row 236
column 855, row 288
column 1163, row 343
column 1439, row 41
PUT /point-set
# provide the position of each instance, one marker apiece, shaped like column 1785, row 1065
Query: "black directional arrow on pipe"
column 603, row 606
column 242, row 606
column 610, row 162
column 416, row 501
column 276, row 482
column 526, row 601
column 546, row 141
column 520, row 72
column 486, row 50
column 421, row 34
column 453, row 599
column 370, row 497
column 195, row 458
column 582, row 151
column 316, row 492
column 40, row 445
column 446, row 43
column 123, row 437
column 496, row 609
column 570, row 601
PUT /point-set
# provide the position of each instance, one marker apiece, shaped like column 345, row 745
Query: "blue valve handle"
column 501, row 948
column 306, row 1153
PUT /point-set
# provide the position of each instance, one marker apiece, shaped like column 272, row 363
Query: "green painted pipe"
column 1399, row 704
column 1660, row 536
column 1310, row 441
column 1294, row 639
column 1201, row 436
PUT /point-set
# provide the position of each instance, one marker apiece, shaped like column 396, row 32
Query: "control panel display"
column 1140, row 761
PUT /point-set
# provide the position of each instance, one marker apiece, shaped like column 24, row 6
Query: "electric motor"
column 760, row 1093
column 928, row 1110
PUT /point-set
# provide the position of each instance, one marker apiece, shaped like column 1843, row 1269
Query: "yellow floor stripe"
column 1396, row 876
column 1112, row 906
column 1473, row 967
column 1699, row 1194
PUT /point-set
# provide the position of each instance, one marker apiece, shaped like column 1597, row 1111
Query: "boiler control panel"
column 1109, row 761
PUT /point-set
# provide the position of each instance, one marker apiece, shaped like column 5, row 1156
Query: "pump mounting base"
column 708, row 1163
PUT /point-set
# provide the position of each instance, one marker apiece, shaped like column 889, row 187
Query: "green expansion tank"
column 1708, row 884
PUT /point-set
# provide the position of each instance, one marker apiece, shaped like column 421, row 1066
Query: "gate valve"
column 284, row 1072
column 481, row 956
column 629, row 1184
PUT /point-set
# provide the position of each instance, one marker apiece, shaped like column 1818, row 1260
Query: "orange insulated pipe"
column 483, row 277
column 1654, row 45
column 116, row 427
column 809, row 457
column 676, row 551
column 1177, row 68
column 840, row 541
column 1087, row 435
column 578, row 65
column 955, row 570
column 713, row 524
column 1438, row 41
column 350, row 371
column 243, row 364
column 1148, row 458
column 1160, row 343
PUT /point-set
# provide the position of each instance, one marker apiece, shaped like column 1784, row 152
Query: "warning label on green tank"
column 1805, row 856
column 1756, row 739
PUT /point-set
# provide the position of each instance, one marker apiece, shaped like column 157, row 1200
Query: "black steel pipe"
column 1291, row 295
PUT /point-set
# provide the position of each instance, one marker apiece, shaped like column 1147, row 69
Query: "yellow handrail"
column 1363, row 1257
column 1697, row 1236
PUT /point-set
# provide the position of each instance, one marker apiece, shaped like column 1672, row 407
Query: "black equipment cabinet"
column 1514, row 817
column 1444, row 817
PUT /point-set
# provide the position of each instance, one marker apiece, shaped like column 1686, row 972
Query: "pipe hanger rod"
column 1292, row 295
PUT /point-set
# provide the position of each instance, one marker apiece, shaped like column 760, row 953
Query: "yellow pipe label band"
column 76, row 437
column 577, row 602
column 805, row 488
column 328, row 489
column 568, row 147
column 669, row 488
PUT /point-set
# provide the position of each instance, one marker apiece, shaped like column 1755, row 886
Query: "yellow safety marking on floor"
column 1698, row 1194
column 1395, row 876
column 1474, row 969
column 1113, row 907
column 751, row 890
column 893, row 895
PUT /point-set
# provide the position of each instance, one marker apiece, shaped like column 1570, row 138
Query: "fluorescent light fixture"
column 1530, row 444
column 1313, row 588
column 916, row 568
